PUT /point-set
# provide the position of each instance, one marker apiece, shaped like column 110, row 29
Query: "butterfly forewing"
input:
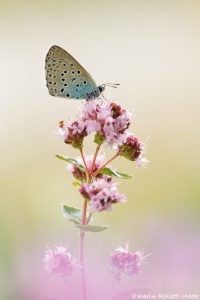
column 65, row 76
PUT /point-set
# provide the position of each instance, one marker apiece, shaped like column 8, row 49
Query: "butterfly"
column 66, row 78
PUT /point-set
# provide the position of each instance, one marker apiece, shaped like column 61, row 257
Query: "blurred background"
column 152, row 49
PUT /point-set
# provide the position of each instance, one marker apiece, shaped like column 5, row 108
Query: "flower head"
column 73, row 133
column 113, row 122
column 131, row 148
column 102, row 193
column 123, row 261
column 108, row 120
column 59, row 261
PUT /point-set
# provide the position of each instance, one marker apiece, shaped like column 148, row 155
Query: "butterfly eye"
column 101, row 89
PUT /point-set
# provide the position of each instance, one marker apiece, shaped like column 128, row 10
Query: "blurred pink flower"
column 102, row 193
column 123, row 261
column 59, row 261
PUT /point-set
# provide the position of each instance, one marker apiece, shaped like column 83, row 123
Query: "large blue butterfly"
column 66, row 78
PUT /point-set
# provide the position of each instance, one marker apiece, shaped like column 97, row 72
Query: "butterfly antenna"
column 114, row 85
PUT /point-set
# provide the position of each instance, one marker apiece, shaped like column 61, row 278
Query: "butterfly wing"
column 65, row 77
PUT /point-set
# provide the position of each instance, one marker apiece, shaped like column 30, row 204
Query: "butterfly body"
column 66, row 78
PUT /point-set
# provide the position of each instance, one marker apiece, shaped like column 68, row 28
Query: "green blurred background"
column 152, row 49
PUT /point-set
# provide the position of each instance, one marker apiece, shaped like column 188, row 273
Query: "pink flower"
column 77, row 172
column 73, row 133
column 131, row 148
column 123, row 261
column 108, row 120
column 114, row 122
column 141, row 161
column 59, row 261
column 92, row 126
column 108, row 126
column 102, row 193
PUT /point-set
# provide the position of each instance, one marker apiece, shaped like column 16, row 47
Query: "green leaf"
column 76, row 184
column 110, row 172
column 72, row 214
column 92, row 228
column 99, row 140
column 71, row 161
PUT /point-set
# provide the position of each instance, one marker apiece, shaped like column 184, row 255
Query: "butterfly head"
column 95, row 93
column 101, row 88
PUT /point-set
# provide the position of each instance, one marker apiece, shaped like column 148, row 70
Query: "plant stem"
column 83, row 158
column 84, row 162
column 97, row 171
column 83, row 221
column 82, row 262
column 94, row 158
column 89, row 217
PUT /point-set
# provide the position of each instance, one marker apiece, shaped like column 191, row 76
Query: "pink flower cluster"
column 108, row 120
column 101, row 193
column 73, row 133
column 59, row 261
column 131, row 148
column 123, row 261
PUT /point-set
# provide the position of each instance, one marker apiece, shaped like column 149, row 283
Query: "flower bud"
column 131, row 148
column 74, row 133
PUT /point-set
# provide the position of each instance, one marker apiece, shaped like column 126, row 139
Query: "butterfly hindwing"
column 65, row 76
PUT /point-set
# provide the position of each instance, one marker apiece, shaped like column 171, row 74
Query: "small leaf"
column 92, row 228
column 110, row 172
column 71, row 161
column 76, row 184
column 122, row 175
column 99, row 140
column 72, row 214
